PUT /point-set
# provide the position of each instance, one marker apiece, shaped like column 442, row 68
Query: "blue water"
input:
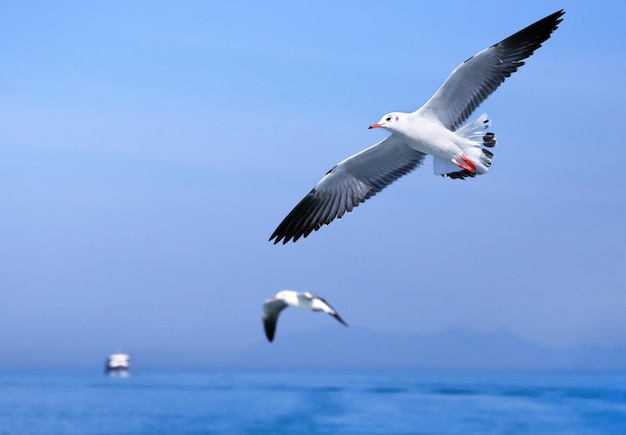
column 313, row 402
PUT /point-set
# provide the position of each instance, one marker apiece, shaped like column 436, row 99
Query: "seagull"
column 289, row 298
column 458, row 151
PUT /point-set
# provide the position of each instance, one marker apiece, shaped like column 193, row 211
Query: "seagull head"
column 388, row 121
column 290, row 297
column 280, row 295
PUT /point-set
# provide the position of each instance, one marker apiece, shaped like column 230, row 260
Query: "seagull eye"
column 388, row 119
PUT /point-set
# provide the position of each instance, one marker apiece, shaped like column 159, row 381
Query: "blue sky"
column 148, row 151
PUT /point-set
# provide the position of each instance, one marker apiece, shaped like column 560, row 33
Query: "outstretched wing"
column 348, row 184
column 479, row 76
column 271, row 310
column 321, row 304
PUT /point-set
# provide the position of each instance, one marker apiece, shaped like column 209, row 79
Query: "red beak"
column 374, row 126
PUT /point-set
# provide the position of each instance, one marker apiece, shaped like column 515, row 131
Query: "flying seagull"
column 435, row 129
column 289, row 298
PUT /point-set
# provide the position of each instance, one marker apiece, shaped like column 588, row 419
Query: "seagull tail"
column 476, row 150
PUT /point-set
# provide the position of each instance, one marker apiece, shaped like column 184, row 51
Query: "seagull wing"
column 479, row 76
column 271, row 310
column 348, row 184
column 320, row 304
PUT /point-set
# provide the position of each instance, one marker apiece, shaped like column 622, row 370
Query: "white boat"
column 117, row 365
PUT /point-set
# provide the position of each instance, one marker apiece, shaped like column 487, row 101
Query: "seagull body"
column 289, row 298
column 434, row 129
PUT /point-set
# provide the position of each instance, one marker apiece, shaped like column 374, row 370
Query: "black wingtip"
column 340, row 320
column 300, row 222
column 537, row 33
column 557, row 17
column 274, row 238
column 270, row 329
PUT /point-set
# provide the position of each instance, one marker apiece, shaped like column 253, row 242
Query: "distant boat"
column 117, row 365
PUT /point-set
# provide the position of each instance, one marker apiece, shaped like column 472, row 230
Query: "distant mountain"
column 453, row 349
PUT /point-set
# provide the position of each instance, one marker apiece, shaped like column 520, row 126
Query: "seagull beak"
column 374, row 126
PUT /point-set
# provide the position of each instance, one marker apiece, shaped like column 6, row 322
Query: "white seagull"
column 432, row 129
column 289, row 298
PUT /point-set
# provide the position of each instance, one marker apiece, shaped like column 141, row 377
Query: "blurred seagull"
column 433, row 129
column 289, row 298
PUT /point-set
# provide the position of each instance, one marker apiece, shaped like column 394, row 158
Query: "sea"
column 264, row 401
